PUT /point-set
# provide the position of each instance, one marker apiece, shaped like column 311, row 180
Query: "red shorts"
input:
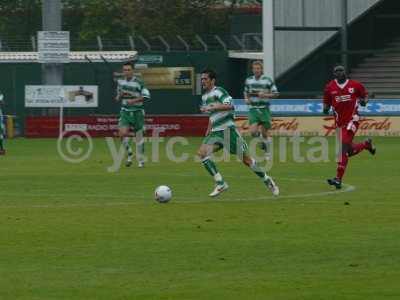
column 346, row 133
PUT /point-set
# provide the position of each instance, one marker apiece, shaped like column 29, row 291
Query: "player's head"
column 339, row 72
column 208, row 78
column 257, row 68
column 127, row 69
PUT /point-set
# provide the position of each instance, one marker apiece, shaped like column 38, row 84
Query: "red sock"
column 341, row 167
column 357, row 148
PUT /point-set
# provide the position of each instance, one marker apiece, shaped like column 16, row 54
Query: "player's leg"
column 239, row 147
column 139, row 132
column 139, row 140
column 345, row 137
column 254, row 130
column 359, row 147
column 266, row 124
column 266, row 141
column 348, row 149
column 254, row 123
column 212, row 143
column 2, row 135
column 268, row 181
column 124, row 134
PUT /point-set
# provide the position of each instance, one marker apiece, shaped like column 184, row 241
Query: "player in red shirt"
column 343, row 95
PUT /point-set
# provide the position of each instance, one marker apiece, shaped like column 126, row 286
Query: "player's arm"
column 224, row 105
column 246, row 93
column 273, row 93
column 326, row 108
column 137, row 100
column 216, row 107
column 268, row 95
column 144, row 96
column 246, row 98
column 364, row 101
column 362, row 95
column 220, row 107
column 119, row 94
column 326, row 101
column 208, row 128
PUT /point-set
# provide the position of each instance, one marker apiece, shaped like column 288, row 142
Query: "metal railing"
column 198, row 42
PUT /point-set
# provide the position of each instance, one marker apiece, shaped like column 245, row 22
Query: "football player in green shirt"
column 132, row 93
column 222, row 132
column 258, row 90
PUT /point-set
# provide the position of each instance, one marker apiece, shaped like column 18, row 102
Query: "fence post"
column 167, row 47
column 223, row 44
column 183, row 42
column 146, row 43
column 99, row 43
column 202, row 42
column 131, row 42
column 33, row 42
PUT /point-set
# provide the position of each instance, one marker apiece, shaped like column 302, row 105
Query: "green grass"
column 76, row 231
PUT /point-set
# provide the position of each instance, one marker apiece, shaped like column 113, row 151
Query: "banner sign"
column 150, row 59
column 53, row 46
column 179, row 78
column 58, row 95
column 307, row 107
column 168, row 78
column 103, row 126
column 189, row 125
column 325, row 126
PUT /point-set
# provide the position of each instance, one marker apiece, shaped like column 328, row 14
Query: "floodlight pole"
column 344, row 34
column 268, row 38
column 52, row 74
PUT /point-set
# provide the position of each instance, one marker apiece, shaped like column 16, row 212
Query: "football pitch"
column 79, row 231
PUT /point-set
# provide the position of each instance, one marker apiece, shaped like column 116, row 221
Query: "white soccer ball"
column 163, row 194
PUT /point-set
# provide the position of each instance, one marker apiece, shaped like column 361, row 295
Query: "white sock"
column 268, row 144
column 139, row 150
column 125, row 142
column 266, row 177
column 267, row 140
column 218, row 177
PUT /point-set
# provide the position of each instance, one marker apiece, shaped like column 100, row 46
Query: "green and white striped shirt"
column 220, row 120
column 253, row 86
column 128, row 89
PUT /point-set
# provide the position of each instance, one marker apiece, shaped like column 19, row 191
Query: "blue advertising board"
column 308, row 107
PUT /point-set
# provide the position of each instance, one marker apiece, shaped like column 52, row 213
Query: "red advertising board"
column 102, row 126
column 195, row 125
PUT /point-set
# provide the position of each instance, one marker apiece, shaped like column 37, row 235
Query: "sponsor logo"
column 76, row 127
column 343, row 98
column 372, row 124
column 288, row 125
column 366, row 124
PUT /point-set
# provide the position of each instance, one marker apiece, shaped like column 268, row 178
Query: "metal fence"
column 244, row 42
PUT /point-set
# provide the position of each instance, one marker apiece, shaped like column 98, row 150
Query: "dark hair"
column 211, row 73
column 128, row 63
column 338, row 66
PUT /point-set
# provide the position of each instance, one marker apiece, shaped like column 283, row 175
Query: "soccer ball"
column 163, row 194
